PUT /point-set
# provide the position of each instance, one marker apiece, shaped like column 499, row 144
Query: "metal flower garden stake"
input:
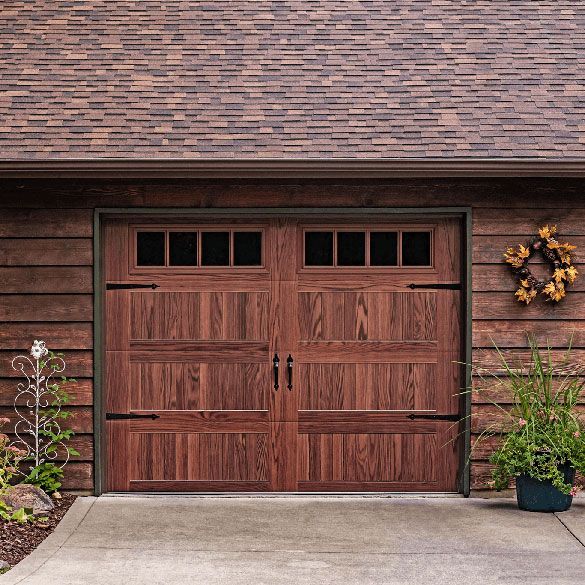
column 38, row 404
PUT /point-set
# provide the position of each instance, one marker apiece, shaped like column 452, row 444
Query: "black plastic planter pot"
column 541, row 496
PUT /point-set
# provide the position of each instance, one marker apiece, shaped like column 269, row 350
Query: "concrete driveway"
column 254, row 541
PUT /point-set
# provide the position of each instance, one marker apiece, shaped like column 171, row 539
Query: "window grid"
column 367, row 232
column 199, row 232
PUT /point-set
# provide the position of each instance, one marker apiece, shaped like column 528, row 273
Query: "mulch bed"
column 19, row 540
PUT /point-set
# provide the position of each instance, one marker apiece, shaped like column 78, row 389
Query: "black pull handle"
column 289, row 366
column 275, row 362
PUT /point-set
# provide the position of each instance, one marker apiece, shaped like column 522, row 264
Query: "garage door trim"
column 464, row 213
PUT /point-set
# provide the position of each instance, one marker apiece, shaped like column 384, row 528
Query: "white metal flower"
column 38, row 349
column 38, row 405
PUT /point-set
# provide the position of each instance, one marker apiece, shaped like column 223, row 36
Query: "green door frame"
column 464, row 213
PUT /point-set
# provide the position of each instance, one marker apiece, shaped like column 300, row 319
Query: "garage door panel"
column 367, row 351
column 368, row 457
column 363, row 386
column 235, row 386
column 200, row 456
column 352, row 316
column 165, row 386
column 162, row 315
column 199, row 386
column 419, row 316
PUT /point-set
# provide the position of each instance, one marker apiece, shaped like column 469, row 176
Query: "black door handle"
column 289, row 366
column 275, row 362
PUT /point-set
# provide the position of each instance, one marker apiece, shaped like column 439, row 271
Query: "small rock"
column 4, row 565
column 28, row 496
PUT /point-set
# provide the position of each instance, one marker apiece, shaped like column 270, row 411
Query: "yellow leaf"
column 549, row 289
column 524, row 283
column 572, row 274
column 559, row 275
column 525, row 296
column 547, row 232
column 524, row 252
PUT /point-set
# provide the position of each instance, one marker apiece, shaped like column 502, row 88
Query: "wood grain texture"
column 217, row 486
column 513, row 334
column 46, row 251
column 46, row 279
column 80, row 392
column 201, row 421
column 479, row 192
column 80, row 421
column 57, row 308
column 64, row 335
column 48, row 222
column 369, row 457
column 79, row 364
column 199, row 351
column 198, row 456
column 367, row 351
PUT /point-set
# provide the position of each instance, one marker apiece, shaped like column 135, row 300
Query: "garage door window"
column 365, row 248
column 205, row 248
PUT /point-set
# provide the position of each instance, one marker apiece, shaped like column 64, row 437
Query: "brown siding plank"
column 78, row 476
column 512, row 334
column 46, row 279
column 495, row 305
column 80, row 391
column 523, row 223
column 79, row 364
column 46, row 223
column 46, row 251
column 19, row 336
column 80, row 421
column 46, row 308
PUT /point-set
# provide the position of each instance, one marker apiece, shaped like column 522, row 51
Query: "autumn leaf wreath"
column 558, row 256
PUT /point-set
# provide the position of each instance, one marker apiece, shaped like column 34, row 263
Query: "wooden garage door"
column 281, row 355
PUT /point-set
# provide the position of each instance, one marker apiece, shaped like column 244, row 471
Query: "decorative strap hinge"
column 129, row 415
column 451, row 417
column 453, row 286
column 122, row 285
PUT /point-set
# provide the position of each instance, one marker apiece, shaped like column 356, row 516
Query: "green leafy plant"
column 22, row 515
column 10, row 458
column 46, row 476
column 543, row 430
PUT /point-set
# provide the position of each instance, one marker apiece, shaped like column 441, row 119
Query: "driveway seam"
column 57, row 549
column 570, row 531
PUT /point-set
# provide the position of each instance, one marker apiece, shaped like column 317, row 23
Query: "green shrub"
column 544, row 429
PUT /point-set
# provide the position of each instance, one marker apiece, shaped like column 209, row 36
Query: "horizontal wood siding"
column 46, row 259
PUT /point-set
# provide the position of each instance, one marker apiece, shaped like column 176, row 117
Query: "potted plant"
column 542, row 435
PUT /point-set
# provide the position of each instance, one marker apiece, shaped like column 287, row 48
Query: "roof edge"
column 282, row 168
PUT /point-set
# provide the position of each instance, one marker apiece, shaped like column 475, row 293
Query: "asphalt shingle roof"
column 364, row 79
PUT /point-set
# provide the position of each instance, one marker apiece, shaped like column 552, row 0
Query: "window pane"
column 384, row 248
column 215, row 249
column 150, row 249
column 416, row 248
column 247, row 248
column 183, row 248
column 351, row 249
column 318, row 248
